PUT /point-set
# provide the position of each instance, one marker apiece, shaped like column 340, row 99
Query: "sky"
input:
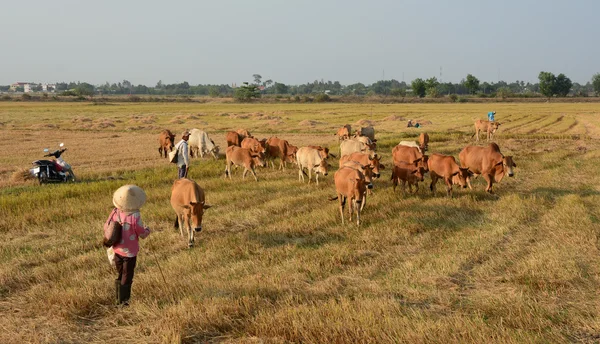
column 295, row 42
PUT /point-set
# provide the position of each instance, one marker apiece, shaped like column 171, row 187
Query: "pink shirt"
column 133, row 229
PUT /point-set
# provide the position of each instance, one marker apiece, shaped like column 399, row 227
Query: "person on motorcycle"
column 128, row 200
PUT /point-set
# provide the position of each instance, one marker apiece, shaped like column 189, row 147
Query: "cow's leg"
column 351, row 205
column 160, row 152
column 317, row 177
column 245, row 171
column 358, row 209
column 342, row 201
column 254, row 174
column 490, row 182
column 448, row 186
column 477, row 133
column 228, row 169
column 309, row 174
column 182, row 223
column 300, row 174
column 433, row 182
column 364, row 202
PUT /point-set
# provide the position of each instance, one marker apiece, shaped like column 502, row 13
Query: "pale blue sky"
column 294, row 42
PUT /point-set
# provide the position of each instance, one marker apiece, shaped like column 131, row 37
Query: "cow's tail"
column 176, row 224
column 333, row 198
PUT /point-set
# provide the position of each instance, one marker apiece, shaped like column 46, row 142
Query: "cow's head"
column 259, row 159
column 322, row 167
column 360, row 186
column 376, row 165
column 508, row 165
column 171, row 141
column 419, row 173
column 196, row 213
column 422, row 162
column 461, row 177
column 494, row 126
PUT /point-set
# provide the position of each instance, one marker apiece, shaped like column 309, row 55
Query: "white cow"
column 200, row 143
column 361, row 145
column 311, row 159
column 411, row 144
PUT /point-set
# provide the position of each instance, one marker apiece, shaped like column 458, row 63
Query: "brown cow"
column 255, row 145
column 243, row 133
column 365, row 160
column 187, row 199
column 350, row 186
column 343, row 133
column 445, row 167
column 407, row 173
column 233, row 139
column 424, row 141
column 323, row 151
column 488, row 162
column 411, row 155
column 278, row 148
column 243, row 157
column 165, row 141
column 367, row 171
column 485, row 126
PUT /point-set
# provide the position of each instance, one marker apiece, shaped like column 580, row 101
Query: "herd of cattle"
column 358, row 165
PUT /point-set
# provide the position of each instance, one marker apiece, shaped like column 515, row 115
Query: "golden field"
column 273, row 263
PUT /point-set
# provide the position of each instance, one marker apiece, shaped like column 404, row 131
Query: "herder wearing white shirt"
column 183, row 157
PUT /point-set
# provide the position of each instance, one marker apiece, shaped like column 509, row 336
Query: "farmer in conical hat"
column 128, row 200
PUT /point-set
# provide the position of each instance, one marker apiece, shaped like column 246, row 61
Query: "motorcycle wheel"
column 43, row 178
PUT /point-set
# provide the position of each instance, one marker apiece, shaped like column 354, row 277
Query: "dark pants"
column 125, row 267
column 183, row 171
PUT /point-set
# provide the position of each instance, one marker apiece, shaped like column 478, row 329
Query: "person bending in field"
column 491, row 116
column 128, row 200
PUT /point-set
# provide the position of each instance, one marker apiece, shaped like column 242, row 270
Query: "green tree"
column 419, row 87
column 547, row 84
column 431, row 83
column 84, row 89
column 213, row 91
column 257, row 78
column 563, row 85
column 247, row 92
column 596, row 83
column 279, row 88
column 472, row 84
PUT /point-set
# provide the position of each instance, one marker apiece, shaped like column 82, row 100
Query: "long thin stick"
column 159, row 268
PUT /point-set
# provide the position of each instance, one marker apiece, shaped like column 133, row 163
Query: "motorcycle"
column 53, row 171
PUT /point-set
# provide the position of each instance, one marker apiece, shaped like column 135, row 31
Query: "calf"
column 311, row 159
column 187, row 199
column 255, row 145
column 367, row 171
column 487, row 126
column 343, row 133
column 243, row 157
column 407, row 173
column 166, row 142
column 350, row 186
column 488, row 162
column 445, row 167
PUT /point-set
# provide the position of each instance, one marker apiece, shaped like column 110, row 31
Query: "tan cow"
column 243, row 157
column 411, row 155
column 407, row 173
column 365, row 160
column 343, row 133
column 424, row 142
column 445, row 167
column 360, row 145
column 410, row 144
column 350, row 187
column 255, row 145
column 323, row 151
column 311, row 159
column 488, row 162
column 200, row 144
column 166, row 142
column 278, row 148
column 187, row 199
column 367, row 171
column 485, row 126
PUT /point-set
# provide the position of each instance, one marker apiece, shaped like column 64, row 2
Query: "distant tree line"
column 548, row 85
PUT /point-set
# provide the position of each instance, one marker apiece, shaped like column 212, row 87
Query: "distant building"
column 49, row 87
column 16, row 85
column 29, row 87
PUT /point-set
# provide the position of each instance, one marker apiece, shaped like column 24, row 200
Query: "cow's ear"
column 206, row 206
column 514, row 165
column 374, row 140
column 381, row 167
